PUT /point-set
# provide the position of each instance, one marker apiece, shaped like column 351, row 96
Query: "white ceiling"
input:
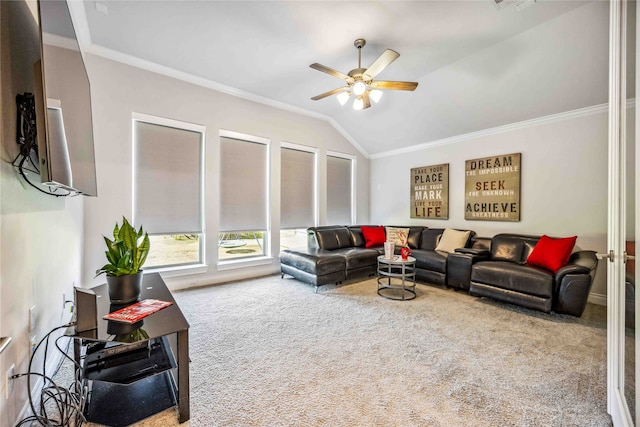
column 478, row 66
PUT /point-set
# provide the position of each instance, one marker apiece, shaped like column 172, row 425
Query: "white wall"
column 118, row 90
column 41, row 235
column 563, row 182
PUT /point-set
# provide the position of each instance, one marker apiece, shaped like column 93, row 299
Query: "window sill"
column 179, row 270
column 243, row 263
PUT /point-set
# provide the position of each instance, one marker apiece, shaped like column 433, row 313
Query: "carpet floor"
column 271, row 352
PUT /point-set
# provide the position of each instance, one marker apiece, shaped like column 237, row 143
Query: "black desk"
column 149, row 389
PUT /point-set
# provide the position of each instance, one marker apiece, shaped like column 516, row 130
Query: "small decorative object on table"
column 389, row 249
column 405, row 252
column 126, row 255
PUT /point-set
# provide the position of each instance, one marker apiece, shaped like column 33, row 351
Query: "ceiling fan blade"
column 365, row 99
column 331, row 92
column 331, row 71
column 382, row 84
column 387, row 57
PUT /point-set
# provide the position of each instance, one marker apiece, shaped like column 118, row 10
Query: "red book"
column 137, row 311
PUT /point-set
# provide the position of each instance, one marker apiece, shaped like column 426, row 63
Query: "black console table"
column 128, row 381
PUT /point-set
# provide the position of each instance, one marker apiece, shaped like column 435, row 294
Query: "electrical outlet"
column 8, row 384
column 34, row 342
column 32, row 318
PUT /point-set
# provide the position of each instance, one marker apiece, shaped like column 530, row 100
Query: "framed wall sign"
column 492, row 188
column 430, row 192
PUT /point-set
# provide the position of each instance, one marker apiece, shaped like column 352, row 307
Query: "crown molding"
column 218, row 87
column 567, row 115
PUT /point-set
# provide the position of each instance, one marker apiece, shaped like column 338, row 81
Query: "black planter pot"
column 124, row 289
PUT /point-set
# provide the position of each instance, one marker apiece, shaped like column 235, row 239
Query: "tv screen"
column 63, row 103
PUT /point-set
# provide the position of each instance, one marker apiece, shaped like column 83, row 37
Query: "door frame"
column 616, row 235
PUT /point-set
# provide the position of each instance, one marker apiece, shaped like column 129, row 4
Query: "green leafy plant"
column 127, row 252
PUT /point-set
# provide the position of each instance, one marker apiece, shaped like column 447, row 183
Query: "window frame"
column 353, row 180
column 316, row 192
column 266, row 256
column 201, row 264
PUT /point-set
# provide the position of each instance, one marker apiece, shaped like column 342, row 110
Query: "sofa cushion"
column 313, row 261
column 357, row 257
column 373, row 236
column 452, row 239
column 357, row 238
column 415, row 233
column 430, row 260
column 506, row 248
column 552, row 254
column 429, row 239
column 333, row 238
column 515, row 277
column 398, row 236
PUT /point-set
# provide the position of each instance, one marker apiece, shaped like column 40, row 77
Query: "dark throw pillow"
column 552, row 254
column 373, row 236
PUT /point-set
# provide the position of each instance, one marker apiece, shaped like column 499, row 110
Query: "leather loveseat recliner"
column 503, row 274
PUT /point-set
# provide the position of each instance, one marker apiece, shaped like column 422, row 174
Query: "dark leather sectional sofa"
column 486, row 267
column 338, row 253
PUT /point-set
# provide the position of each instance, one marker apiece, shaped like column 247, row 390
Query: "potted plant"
column 126, row 254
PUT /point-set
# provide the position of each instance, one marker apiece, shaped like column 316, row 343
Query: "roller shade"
column 243, row 185
column 167, row 179
column 297, row 171
column 338, row 190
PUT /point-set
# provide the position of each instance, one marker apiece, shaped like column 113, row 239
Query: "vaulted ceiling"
column 478, row 65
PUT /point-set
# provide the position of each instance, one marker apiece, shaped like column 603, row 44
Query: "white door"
column 621, row 278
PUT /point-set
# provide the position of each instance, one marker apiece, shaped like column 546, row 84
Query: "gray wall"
column 563, row 182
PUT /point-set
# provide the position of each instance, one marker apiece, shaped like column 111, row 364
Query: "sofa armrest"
column 572, row 294
column 580, row 262
column 459, row 266
column 573, row 283
column 570, row 269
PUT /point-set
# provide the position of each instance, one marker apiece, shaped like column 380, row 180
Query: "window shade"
column 338, row 190
column 243, row 185
column 297, row 205
column 167, row 179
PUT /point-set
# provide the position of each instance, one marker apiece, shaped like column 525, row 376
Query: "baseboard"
column 598, row 299
column 186, row 282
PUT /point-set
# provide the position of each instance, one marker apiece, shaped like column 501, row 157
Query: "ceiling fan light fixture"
column 359, row 88
column 343, row 97
column 375, row 95
column 358, row 104
column 360, row 81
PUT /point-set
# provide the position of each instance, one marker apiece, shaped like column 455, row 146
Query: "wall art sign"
column 492, row 188
column 430, row 192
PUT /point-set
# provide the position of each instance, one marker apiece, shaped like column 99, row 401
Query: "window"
column 244, row 196
column 297, row 194
column 168, row 189
column 340, row 190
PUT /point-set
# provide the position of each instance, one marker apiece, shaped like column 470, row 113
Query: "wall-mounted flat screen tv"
column 63, row 104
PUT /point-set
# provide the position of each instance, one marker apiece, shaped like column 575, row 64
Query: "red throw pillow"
column 552, row 254
column 373, row 236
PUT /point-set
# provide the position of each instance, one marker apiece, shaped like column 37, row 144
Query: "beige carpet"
column 271, row 352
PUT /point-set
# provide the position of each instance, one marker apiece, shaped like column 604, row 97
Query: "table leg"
column 183, row 376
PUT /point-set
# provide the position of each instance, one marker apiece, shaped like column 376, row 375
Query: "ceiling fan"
column 360, row 80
